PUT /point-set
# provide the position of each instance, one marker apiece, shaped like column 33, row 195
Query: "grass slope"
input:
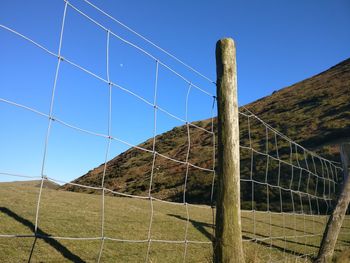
column 69, row 214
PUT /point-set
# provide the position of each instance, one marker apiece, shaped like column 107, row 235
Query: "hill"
column 31, row 183
column 314, row 112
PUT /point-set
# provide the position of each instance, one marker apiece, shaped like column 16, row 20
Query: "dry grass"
column 69, row 214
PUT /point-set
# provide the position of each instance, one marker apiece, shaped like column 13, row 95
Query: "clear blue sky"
column 278, row 43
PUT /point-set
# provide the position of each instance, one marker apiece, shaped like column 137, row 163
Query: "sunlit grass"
column 127, row 220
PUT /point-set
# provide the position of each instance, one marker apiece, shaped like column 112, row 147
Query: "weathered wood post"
column 228, row 246
column 335, row 221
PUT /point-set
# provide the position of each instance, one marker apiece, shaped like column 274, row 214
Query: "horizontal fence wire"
column 289, row 183
column 287, row 194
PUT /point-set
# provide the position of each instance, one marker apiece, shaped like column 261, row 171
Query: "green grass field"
column 78, row 215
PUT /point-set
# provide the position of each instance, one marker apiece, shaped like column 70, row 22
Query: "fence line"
column 307, row 182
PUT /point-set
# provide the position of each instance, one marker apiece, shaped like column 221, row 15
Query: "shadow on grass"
column 344, row 241
column 42, row 235
column 200, row 226
column 278, row 226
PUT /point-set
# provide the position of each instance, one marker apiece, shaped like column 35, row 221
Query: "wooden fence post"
column 228, row 246
column 335, row 221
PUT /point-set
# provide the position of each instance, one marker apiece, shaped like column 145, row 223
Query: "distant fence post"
column 228, row 246
column 335, row 221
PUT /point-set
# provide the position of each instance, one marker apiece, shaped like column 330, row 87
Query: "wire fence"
column 287, row 190
column 294, row 187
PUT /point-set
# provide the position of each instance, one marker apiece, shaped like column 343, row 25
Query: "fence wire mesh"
column 287, row 191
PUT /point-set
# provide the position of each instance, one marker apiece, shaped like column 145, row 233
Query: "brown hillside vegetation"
column 314, row 112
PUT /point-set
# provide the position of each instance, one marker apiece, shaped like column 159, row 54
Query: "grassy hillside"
column 33, row 183
column 314, row 112
column 67, row 214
